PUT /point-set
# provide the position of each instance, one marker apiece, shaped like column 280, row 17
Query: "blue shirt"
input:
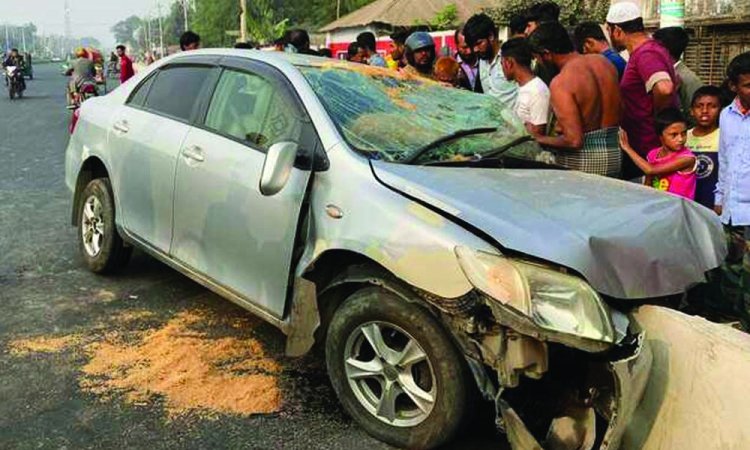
column 733, row 188
column 494, row 82
column 377, row 60
column 617, row 60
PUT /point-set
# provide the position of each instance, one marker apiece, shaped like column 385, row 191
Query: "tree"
column 124, row 30
column 174, row 24
column 213, row 18
column 263, row 25
column 445, row 19
column 572, row 12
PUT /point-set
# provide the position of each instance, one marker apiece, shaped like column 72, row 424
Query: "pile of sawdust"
column 133, row 316
column 42, row 344
column 187, row 368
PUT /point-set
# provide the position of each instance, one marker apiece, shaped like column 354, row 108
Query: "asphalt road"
column 45, row 293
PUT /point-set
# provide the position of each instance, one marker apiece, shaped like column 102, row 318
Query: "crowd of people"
column 644, row 117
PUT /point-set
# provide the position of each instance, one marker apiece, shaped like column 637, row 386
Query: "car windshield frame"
column 391, row 116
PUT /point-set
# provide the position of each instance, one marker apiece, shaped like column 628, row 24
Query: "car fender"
column 351, row 211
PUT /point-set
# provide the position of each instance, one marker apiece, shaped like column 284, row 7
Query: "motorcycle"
column 14, row 79
column 86, row 89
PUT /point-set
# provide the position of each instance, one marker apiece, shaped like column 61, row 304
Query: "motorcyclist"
column 420, row 54
column 81, row 70
column 15, row 59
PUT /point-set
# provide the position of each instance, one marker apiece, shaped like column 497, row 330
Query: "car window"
column 138, row 97
column 252, row 109
column 176, row 89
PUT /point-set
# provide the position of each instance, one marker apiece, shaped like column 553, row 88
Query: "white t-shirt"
column 533, row 102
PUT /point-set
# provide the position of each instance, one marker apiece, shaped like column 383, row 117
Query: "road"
column 80, row 353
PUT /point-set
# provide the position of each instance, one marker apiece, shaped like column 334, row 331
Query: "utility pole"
column 161, row 31
column 23, row 38
column 338, row 9
column 68, row 28
column 7, row 38
column 185, row 7
column 243, row 20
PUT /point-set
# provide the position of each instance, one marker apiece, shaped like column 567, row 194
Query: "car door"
column 224, row 227
column 145, row 139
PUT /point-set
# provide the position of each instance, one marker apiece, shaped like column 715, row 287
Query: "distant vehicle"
column 411, row 230
column 14, row 80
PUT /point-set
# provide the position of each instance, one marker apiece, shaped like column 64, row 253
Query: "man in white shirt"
column 532, row 105
column 481, row 35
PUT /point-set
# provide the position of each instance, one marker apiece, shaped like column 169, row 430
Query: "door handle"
column 194, row 153
column 121, row 126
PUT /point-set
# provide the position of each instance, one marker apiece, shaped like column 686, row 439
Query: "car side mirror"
column 277, row 167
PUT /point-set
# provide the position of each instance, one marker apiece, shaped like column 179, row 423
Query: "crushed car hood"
column 628, row 241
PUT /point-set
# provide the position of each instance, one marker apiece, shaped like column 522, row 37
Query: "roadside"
column 143, row 359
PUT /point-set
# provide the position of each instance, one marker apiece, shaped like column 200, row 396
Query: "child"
column 703, row 140
column 446, row 71
column 671, row 167
column 733, row 187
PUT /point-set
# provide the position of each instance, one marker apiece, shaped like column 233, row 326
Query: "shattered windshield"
column 399, row 118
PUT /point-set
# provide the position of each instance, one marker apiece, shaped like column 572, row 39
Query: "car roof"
column 278, row 59
column 285, row 61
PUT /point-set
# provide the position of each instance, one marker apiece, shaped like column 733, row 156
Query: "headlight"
column 552, row 300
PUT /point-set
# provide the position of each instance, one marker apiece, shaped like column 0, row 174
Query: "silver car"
column 410, row 230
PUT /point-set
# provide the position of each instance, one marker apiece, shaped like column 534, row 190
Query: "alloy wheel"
column 390, row 374
column 92, row 226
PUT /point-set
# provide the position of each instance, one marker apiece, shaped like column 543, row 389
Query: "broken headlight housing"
column 554, row 301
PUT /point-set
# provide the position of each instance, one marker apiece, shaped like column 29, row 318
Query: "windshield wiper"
column 480, row 157
column 447, row 138
column 504, row 148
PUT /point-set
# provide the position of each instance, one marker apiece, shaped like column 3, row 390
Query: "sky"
column 92, row 18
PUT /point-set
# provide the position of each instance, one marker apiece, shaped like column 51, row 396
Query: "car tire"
column 442, row 375
column 100, row 244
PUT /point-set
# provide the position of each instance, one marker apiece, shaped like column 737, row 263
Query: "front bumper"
column 630, row 373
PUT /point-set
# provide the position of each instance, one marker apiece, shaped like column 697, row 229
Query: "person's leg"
column 732, row 267
column 745, row 276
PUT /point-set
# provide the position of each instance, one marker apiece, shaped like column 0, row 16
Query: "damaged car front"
column 532, row 270
column 569, row 369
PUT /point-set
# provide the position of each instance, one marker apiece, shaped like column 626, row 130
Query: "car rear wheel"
column 395, row 370
column 101, row 246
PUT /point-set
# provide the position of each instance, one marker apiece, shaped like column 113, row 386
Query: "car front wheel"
column 395, row 370
column 101, row 246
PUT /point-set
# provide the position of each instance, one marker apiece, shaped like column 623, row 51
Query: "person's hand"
column 624, row 141
column 531, row 130
column 718, row 209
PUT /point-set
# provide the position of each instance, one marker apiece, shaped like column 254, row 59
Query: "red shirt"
column 126, row 68
column 648, row 64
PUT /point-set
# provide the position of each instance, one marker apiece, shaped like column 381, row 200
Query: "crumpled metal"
column 627, row 241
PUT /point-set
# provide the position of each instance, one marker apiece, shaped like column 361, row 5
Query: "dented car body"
column 435, row 197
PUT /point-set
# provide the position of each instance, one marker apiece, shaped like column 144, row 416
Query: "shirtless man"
column 585, row 98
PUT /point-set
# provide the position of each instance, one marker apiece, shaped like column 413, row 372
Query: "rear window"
column 175, row 91
column 138, row 97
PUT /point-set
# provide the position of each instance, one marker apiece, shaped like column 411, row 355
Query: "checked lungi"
column 600, row 155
